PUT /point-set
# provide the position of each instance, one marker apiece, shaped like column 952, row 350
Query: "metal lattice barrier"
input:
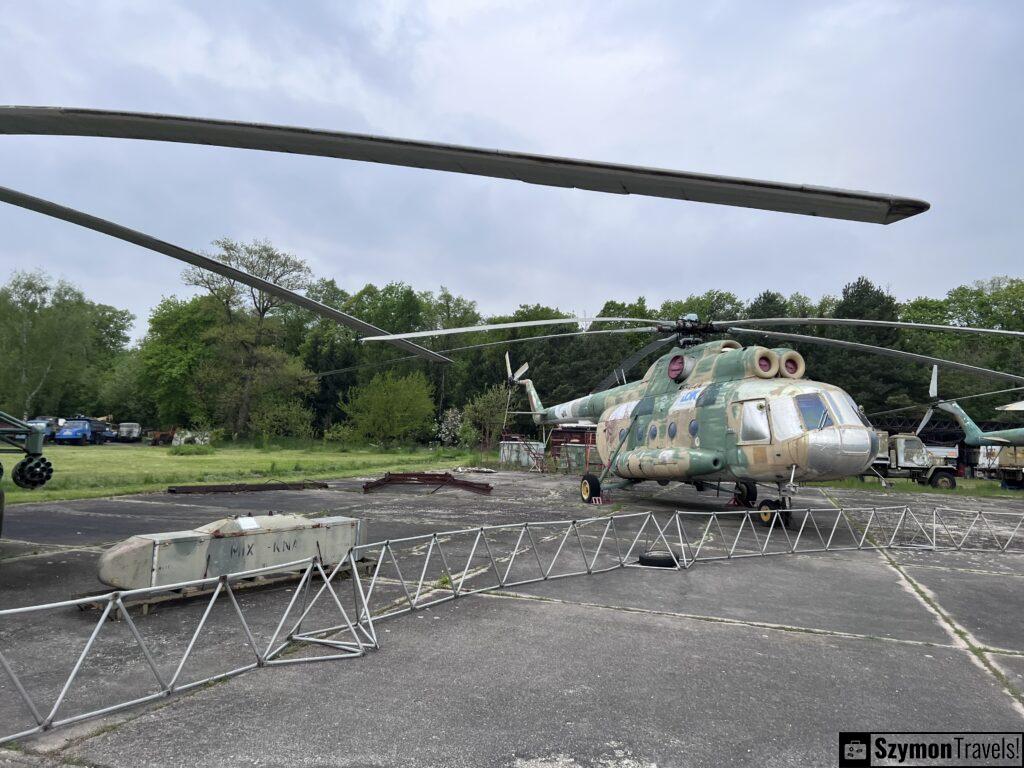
column 327, row 622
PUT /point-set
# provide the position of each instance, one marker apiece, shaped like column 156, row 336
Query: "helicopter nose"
column 841, row 453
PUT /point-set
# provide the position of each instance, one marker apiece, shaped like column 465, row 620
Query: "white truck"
column 908, row 456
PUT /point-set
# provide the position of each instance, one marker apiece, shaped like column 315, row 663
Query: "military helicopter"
column 535, row 169
column 708, row 412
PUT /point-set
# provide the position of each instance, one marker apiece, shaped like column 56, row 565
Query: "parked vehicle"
column 82, row 430
column 1009, row 469
column 907, row 456
column 162, row 437
column 129, row 432
column 50, row 427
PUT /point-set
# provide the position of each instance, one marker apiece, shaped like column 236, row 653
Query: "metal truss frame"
column 441, row 567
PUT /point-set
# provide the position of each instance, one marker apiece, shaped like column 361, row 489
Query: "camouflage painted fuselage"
column 718, row 411
column 972, row 432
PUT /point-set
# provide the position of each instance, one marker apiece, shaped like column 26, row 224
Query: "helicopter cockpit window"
column 813, row 412
column 786, row 422
column 754, row 425
column 844, row 408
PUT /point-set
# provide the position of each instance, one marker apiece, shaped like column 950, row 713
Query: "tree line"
column 237, row 361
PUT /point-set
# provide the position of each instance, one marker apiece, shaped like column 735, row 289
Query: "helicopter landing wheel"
column 590, row 489
column 745, row 494
column 766, row 511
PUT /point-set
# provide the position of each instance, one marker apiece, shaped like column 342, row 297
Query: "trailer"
column 1009, row 467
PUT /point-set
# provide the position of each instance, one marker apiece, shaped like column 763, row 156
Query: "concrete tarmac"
column 741, row 662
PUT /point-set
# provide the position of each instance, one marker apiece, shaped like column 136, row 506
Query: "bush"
column 391, row 409
column 487, row 412
column 287, row 419
column 191, row 449
column 338, row 433
column 469, row 436
column 449, row 427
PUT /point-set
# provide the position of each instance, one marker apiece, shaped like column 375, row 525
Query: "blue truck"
column 82, row 430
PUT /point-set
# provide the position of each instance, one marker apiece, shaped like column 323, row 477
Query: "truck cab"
column 907, row 456
column 129, row 432
column 81, row 430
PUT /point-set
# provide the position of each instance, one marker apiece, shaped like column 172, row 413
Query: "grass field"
column 964, row 487
column 110, row 470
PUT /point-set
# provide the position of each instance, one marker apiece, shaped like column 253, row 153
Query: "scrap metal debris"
column 439, row 479
column 302, row 485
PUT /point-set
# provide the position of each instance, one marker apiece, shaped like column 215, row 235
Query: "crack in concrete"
column 962, row 638
column 751, row 624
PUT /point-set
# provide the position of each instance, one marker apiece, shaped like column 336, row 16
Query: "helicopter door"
column 754, row 427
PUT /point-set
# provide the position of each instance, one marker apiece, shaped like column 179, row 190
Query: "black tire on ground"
column 663, row 482
column 658, row 558
column 590, row 489
column 698, row 486
column 943, row 480
column 766, row 511
column 745, row 493
column 83, row 440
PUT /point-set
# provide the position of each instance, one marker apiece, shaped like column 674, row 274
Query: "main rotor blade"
column 536, row 169
column 627, row 364
column 503, row 326
column 918, row 406
column 881, row 351
column 70, row 215
column 858, row 323
column 396, row 360
column 1018, row 406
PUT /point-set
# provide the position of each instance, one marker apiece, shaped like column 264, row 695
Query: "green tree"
column 391, row 409
column 54, row 344
column 177, row 345
column 247, row 309
column 486, row 412
column 768, row 304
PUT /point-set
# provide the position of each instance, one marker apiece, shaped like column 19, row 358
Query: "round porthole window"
column 694, row 428
column 622, row 435
column 653, row 433
column 672, row 430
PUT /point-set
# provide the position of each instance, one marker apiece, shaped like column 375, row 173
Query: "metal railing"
column 409, row 574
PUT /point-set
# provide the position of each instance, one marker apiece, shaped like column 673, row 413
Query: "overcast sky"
column 922, row 99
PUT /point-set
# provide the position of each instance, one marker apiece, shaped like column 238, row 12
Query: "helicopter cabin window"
column 754, row 424
column 813, row 411
column 672, row 429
